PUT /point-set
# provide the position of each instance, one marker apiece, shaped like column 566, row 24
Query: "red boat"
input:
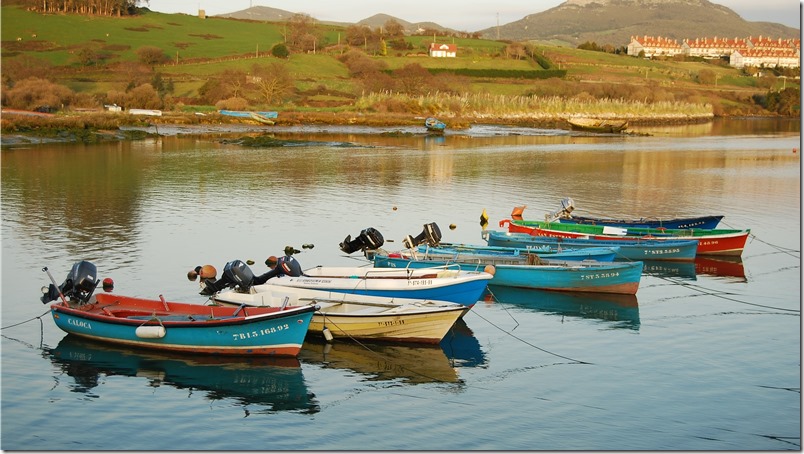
column 726, row 242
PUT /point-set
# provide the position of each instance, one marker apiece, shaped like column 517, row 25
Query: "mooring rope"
column 26, row 321
column 523, row 340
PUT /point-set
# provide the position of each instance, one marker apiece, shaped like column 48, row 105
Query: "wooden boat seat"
column 181, row 318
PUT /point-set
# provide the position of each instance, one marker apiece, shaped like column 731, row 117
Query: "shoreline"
column 24, row 128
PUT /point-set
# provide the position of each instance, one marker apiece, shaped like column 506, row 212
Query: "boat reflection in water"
column 406, row 363
column 275, row 382
column 661, row 268
column 462, row 347
column 729, row 267
column 621, row 310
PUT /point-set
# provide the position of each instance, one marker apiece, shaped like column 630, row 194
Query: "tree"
column 301, row 33
column 393, row 28
column 34, row 92
column 413, row 79
column 151, row 55
column 785, row 102
column 144, row 97
column 280, row 50
column 273, row 82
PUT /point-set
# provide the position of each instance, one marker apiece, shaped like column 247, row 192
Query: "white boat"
column 345, row 315
column 456, row 286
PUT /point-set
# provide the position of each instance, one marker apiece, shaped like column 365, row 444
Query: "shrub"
column 34, row 92
column 151, row 55
column 232, row 104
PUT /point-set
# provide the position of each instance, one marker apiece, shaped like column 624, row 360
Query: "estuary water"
column 706, row 356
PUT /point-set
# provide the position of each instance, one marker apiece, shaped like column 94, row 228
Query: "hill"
column 205, row 61
column 267, row 14
column 615, row 21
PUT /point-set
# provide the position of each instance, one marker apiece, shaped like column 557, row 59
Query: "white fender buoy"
column 150, row 332
column 327, row 334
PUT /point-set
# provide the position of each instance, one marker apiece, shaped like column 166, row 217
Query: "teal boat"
column 462, row 252
column 567, row 276
column 635, row 249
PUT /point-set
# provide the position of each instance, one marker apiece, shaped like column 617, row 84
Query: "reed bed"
column 484, row 105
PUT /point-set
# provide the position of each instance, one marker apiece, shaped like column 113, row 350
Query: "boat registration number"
column 419, row 282
column 258, row 333
column 587, row 277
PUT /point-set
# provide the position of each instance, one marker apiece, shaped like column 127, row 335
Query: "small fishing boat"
column 556, row 275
column 635, row 249
column 262, row 117
column 730, row 242
column 564, row 215
column 597, row 125
column 172, row 326
column 353, row 316
column 434, row 125
column 456, row 286
column 248, row 114
column 461, row 252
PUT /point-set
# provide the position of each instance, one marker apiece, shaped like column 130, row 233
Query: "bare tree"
column 273, row 82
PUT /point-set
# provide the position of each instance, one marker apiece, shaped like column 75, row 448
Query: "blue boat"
column 172, row 326
column 636, row 249
column 434, row 125
column 455, row 286
column 459, row 252
column 566, row 276
column 248, row 114
column 564, row 215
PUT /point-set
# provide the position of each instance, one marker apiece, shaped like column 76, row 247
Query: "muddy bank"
column 106, row 126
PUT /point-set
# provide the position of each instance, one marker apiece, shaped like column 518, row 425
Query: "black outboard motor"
column 235, row 274
column 431, row 235
column 369, row 238
column 78, row 287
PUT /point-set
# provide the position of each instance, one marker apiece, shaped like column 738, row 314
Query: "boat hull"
column 185, row 327
column 710, row 241
column 424, row 328
column 359, row 316
column 569, row 276
column 467, row 252
column 699, row 222
column 445, row 285
column 636, row 249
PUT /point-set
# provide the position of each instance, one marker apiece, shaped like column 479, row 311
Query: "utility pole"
column 498, row 25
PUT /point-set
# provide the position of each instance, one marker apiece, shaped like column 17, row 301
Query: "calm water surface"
column 705, row 357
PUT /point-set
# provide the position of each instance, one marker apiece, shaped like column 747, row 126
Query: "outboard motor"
column 567, row 205
column 369, row 238
column 431, row 235
column 78, row 287
column 238, row 273
column 235, row 274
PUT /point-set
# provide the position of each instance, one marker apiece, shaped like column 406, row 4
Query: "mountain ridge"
column 577, row 21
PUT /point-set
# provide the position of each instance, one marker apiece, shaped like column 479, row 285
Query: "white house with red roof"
column 443, row 50
column 653, row 46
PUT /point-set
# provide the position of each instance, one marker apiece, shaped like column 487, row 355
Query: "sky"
column 456, row 14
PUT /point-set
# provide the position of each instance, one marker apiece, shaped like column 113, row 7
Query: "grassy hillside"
column 201, row 49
